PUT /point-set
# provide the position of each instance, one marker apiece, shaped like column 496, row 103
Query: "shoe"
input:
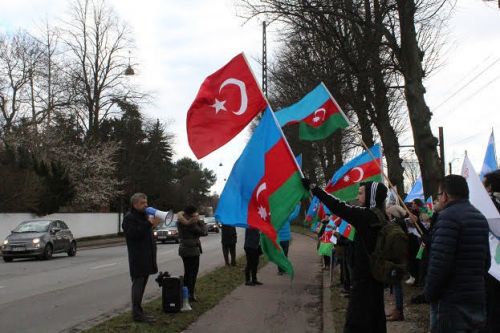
column 411, row 280
column 257, row 283
column 396, row 315
column 249, row 283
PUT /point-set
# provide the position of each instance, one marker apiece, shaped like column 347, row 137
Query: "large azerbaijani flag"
column 365, row 167
column 317, row 112
column 263, row 188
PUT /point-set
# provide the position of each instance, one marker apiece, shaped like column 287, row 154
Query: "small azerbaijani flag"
column 420, row 252
column 317, row 113
column 364, row 167
column 430, row 206
column 347, row 230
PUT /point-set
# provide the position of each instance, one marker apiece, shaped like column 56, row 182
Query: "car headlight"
column 5, row 242
column 155, row 233
column 36, row 240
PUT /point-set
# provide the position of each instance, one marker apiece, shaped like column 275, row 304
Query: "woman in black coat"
column 190, row 229
column 228, row 240
column 365, row 312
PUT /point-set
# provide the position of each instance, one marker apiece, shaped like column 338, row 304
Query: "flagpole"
column 390, row 184
column 276, row 120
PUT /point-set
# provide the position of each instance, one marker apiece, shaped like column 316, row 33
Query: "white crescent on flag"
column 261, row 188
column 243, row 92
column 318, row 118
column 361, row 174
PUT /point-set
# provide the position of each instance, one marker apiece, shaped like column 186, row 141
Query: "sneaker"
column 411, row 280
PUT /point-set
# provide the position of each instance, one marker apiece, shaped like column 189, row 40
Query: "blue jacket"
column 459, row 260
column 284, row 233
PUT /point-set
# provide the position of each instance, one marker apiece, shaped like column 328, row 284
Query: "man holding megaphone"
column 141, row 247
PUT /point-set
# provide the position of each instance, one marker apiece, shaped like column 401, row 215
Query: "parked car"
column 40, row 239
column 212, row 224
column 167, row 232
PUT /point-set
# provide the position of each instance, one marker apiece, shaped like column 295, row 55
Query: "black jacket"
column 190, row 231
column 367, row 227
column 140, row 244
column 252, row 239
column 459, row 260
column 228, row 235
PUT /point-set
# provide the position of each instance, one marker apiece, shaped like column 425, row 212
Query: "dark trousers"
column 191, row 267
column 229, row 249
column 345, row 274
column 252, row 264
column 138, row 287
column 284, row 245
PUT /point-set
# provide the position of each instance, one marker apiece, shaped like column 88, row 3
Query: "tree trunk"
column 420, row 115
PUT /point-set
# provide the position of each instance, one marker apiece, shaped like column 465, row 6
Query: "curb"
column 328, row 321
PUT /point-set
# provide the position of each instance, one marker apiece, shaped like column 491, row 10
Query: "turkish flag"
column 226, row 102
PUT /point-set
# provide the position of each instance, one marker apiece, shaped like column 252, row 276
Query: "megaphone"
column 164, row 216
column 185, row 300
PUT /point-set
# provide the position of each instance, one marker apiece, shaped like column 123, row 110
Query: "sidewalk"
column 277, row 306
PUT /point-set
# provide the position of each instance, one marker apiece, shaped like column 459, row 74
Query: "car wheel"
column 72, row 249
column 163, row 242
column 177, row 241
column 7, row 259
column 47, row 252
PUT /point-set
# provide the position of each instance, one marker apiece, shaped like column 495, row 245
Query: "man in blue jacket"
column 459, row 260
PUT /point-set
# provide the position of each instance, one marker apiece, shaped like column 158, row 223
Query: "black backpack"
column 389, row 259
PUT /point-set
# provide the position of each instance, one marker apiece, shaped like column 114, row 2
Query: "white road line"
column 103, row 266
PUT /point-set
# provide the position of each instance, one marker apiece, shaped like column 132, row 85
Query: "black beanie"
column 379, row 191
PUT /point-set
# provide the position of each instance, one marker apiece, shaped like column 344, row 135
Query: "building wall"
column 81, row 224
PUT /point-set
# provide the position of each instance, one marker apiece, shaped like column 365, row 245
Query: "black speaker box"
column 171, row 294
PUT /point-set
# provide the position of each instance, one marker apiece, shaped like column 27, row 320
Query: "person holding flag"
column 365, row 312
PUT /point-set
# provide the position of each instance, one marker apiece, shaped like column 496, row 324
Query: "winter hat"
column 375, row 194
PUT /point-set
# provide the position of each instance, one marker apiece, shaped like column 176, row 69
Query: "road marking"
column 103, row 266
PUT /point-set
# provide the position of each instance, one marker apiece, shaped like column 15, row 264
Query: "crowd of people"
column 448, row 256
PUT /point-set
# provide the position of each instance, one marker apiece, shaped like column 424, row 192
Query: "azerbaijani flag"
column 365, row 167
column 430, row 206
column 317, row 112
column 263, row 188
column 346, row 230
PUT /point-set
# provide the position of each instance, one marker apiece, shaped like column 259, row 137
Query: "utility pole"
column 441, row 150
column 264, row 59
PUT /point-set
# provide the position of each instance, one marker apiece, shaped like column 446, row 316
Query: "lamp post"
column 129, row 71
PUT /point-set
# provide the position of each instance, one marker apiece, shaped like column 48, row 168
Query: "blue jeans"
column 398, row 295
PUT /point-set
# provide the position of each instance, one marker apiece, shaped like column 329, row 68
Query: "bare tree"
column 97, row 43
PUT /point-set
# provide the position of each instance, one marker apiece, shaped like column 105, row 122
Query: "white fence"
column 80, row 224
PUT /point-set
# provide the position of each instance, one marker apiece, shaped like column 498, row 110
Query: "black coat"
column 141, row 245
column 228, row 235
column 252, row 239
column 459, row 260
column 365, row 311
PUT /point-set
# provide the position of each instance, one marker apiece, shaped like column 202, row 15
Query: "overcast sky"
column 179, row 43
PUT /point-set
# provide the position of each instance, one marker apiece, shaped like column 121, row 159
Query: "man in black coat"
column 141, row 248
column 365, row 312
column 459, row 259
column 228, row 240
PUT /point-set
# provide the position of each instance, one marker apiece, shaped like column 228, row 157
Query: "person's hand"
column 413, row 218
column 154, row 221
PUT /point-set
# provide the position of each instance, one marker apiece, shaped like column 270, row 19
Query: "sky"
column 179, row 43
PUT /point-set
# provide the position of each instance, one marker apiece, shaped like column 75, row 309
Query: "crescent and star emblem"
column 219, row 105
column 361, row 174
column 261, row 210
column 317, row 118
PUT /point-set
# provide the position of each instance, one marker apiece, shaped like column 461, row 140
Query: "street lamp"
column 129, row 71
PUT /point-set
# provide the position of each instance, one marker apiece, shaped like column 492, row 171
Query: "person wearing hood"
column 141, row 248
column 365, row 311
column 190, row 229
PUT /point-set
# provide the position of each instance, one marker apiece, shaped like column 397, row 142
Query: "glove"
column 306, row 183
column 150, row 211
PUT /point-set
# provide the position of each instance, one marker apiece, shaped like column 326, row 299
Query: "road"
column 66, row 294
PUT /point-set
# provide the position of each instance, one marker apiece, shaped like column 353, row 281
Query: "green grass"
column 211, row 288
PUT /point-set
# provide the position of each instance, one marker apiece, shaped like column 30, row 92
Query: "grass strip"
column 211, row 288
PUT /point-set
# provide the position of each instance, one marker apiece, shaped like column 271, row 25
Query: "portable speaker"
column 171, row 294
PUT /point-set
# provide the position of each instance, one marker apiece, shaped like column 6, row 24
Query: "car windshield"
column 33, row 226
column 209, row 220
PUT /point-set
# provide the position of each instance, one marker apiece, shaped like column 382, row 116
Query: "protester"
column 141, row 248
column 228, row 240
column 414, row 245
column 459, row 260
column 284, row 235
column 365, row 311
column 397, row 214
column 492, row 184
column 252, row 251
column 326, row 259
column 190, row 229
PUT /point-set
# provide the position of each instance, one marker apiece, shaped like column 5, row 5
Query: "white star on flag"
column 262, row 212
column 316, row 119
column 346, row 178
column 219, row 105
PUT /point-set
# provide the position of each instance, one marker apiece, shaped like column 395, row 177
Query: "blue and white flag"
column 490, row 158
column 416, row 192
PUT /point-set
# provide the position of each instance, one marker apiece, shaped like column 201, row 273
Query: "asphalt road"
column 67, row 294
